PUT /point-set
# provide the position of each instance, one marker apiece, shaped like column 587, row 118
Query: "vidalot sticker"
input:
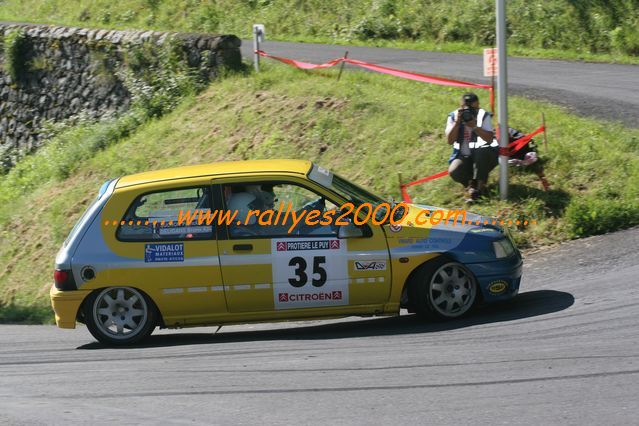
column 172, row 252
column 309, row 273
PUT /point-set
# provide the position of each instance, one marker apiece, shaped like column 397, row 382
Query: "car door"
column 273, row 264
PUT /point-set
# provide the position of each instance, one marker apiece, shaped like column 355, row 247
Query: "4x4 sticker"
column 173, row 252
column 374, row 265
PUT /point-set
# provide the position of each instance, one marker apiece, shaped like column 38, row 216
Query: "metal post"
column 492, row 84
column 256, row 47
column 543, row 123
column 502, row 87
column 341, row 68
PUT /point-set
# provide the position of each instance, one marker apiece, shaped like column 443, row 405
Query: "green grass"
column 368, row 127
column 592, row 30
column 38, row 313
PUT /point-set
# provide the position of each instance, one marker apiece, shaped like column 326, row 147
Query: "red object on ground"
column 515, row 146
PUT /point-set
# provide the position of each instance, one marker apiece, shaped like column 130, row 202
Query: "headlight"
column 503, row 248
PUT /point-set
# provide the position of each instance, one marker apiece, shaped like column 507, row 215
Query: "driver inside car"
column 243, row 203
column 294, row 201
column 264, row 196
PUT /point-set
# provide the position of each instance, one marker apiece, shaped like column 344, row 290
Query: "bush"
column 15, row 47
column 158, row 78
column 625, row 38
column 591, row 216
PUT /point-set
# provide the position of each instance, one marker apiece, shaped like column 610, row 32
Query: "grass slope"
column 367, row 127
column 550, row 28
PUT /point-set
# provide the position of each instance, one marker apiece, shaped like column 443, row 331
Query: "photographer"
column 475, row 152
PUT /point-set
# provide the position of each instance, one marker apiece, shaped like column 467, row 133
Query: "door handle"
column 243, row 247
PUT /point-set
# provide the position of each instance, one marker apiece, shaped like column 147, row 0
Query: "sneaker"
column 471, row 194
column 474, row 193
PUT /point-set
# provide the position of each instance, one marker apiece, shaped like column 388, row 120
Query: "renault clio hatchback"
column 179, row 247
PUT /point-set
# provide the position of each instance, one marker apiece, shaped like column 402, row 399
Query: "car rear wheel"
column 120, row 315
column 443, row 289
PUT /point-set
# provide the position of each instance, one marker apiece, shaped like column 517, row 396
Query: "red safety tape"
column 515, row 146
column 405, row 195
column 385, row 70
column 416, row 76
column 300, row 64
column 426, row 179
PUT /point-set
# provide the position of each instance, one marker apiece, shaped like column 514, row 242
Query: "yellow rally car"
column 133, row 262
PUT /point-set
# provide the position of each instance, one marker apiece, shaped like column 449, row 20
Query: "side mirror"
column 354, row 231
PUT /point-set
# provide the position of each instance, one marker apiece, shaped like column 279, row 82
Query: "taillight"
column 64, row 280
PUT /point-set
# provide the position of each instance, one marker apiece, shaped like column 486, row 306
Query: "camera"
column 468, row 114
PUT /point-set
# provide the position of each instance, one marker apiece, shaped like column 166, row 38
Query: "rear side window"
column 175, row 214
column 76, row 227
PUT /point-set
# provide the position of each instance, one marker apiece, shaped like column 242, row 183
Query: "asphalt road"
column 566, row 350
column 606, row 91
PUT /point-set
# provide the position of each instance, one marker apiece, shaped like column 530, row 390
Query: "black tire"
column 132, row 315
column 434, row 296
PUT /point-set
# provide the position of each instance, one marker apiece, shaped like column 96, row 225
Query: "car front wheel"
column 443, row 289
column 119, row 315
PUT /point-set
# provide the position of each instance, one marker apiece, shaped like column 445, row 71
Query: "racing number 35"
column 301, row 277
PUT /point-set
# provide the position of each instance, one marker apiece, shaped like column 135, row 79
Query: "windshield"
column 348, row 190
column 353, row 193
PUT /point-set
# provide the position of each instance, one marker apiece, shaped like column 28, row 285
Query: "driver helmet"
column 268, row 198
column 264, row 196
column 242, row 202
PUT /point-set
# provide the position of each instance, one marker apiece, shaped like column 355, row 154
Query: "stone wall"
column 64, row 71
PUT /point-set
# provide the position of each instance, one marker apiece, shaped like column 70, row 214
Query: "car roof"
column 214, row 169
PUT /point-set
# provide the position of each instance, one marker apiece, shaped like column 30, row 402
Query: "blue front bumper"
column 498, row 280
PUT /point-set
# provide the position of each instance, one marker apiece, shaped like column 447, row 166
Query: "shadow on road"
column 526, row 305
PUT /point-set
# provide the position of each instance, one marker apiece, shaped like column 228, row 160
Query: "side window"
column 278, row 209
column 176, row 214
